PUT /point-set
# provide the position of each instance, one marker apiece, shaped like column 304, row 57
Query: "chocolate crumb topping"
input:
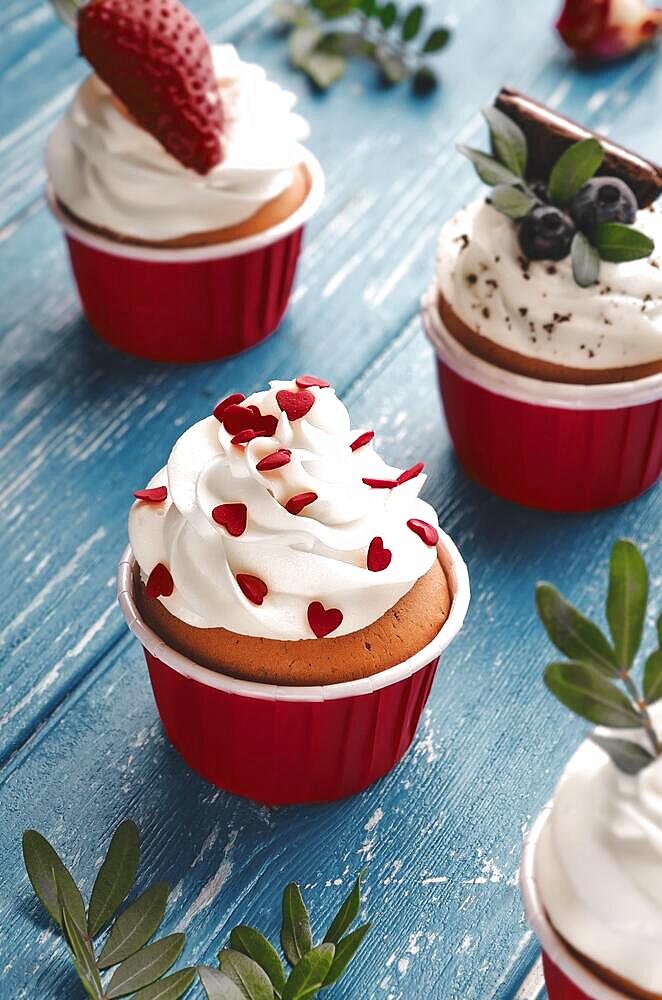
column 486, row 312
column 551, row 269
column 472, row 278
column 523, row 310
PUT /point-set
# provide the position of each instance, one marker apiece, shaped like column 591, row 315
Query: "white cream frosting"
column 316, row 555
column 112, row 173
column 538, row 310
column 598, row 865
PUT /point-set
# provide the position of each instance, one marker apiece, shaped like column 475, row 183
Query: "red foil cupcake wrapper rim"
column 554, row 948
column 458, row 579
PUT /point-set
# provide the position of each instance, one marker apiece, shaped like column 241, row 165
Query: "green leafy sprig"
column 326, row 34
column 139, row 966
column 250, row 968
column 596, row 680
column 505, row 171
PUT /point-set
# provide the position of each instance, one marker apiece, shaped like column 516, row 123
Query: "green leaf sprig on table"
column 326, row 34
column 596, row 680
column 139, row 966
column 250, row 968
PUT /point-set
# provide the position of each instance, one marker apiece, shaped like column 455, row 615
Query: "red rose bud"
column 607, row 29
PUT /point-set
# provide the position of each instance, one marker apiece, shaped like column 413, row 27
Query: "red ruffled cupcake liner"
column 287, row 745
column 191, row 304
column 543, row 444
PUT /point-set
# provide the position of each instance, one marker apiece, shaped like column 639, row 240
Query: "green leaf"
column 630, row 758
column 346, row 915
column 368, row 7
column 626, row 600
column 302, row 43
column 116, row 876
column 171, row 988
column 145, row 967
column 582, row 689
column 48, row 875
column 82, row 953
column 295, row 934
column 508, row 140
column 387, row 15
column 653, row 677
column 250, row 977
column 573, row 634
column 412, row 23
column 250, row 942
column 331, row 9
column 135, row 926
column 345, row 951
column 573, row 168
column 217, row 986
column 659, row 631
column 617, row 243
column 307, row 977
column 488, row 168
column 324, row 68
column 436, row 40
column 585, row 261
column 512, row 201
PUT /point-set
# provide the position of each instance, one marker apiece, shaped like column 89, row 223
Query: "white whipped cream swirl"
column 112, row 173
column 319, row 554
column 538, row 310
column 599, row 865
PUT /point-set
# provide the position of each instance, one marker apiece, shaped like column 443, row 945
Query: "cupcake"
column 295, row 573
column 181, row 199
column 546, row 313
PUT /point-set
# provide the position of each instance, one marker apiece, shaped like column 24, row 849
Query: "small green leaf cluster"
column 327, row 33
column 505, row 171
column 251, row 968
column 139, row 966
column 596, row 680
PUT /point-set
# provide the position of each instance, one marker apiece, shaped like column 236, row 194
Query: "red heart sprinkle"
column 274, row 461
column 295, row 404
column 424, row 531
column 243, row 437
column 381, row 484
column 323, row 620
column 238, row 418
column 378, row 557
column 159, row 582
column 310, row 381
column 254, row 409
column 268, row 426
column 408, row 474
column 254, row 589
column 362, row 439
column 296, row 503
column 232, row 517
column 220, row 408
column 155, row 495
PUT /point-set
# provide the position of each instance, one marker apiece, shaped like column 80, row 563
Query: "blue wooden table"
column 81, row 426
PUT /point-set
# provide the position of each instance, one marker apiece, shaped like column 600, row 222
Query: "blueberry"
column 546, row 233
column 603, row 199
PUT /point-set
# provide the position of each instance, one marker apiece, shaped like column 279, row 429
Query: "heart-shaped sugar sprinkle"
column 295, row 405
column 156, row 494
column 296, row 503
column 243, row 437
column 408, row 474
column 159, row 582
column 362, row 439
column 323, row 620
column 232, row 517
column 378, row 557
column 238, row 418
column 233, row 400
column 254, row 589
column 381, row 484
column 276, row 460
column 424, row 531
column 311, row 382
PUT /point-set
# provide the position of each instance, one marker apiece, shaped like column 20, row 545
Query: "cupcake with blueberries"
column 546, row 312
column 286, row 579
column 180, row 179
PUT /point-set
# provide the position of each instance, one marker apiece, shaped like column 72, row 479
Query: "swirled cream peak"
column 599, row 865
column 226, row 517
column 536, row 308
column 111, row 173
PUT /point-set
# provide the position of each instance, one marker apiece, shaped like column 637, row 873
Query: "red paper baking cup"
column 286, row 745
column 190, row 304
column 546, row 444
column 566, row 978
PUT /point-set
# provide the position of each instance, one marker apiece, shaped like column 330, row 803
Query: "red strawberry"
column 155, row 58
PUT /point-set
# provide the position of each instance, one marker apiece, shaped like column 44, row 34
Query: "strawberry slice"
column 155, row 58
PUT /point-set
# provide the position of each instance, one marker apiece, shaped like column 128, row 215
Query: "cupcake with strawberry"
column 546, row 311
column 180, row 179
column 278, row 559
